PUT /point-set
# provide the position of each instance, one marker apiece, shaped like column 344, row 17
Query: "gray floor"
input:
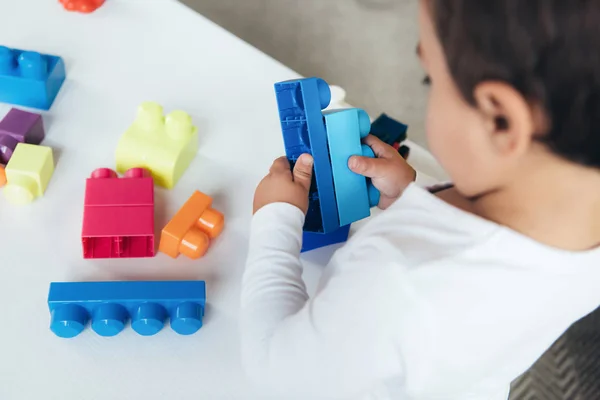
column 365, row 46
column 368, row 48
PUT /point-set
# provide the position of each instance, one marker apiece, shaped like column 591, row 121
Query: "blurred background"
column 365, row 46
column 368, row 48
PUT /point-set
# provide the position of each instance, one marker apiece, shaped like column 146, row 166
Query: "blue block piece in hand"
column 300, row 103
column 30, row 79
column 313, row 241
column 109, row 305
column 355, row 195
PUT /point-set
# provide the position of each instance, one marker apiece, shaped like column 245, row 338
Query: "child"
column 450, row 295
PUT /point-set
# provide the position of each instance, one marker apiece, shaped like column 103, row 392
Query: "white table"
column 127, row 52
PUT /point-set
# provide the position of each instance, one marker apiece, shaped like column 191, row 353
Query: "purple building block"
column 19, row 126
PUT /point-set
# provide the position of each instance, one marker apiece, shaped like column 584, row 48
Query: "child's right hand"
column 389, row 172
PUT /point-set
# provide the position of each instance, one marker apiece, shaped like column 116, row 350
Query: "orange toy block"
column 190, row 230
column 2, row 176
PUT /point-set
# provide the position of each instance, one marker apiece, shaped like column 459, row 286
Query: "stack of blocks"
column 338, row 197
column 29, row 79
column 29, row 166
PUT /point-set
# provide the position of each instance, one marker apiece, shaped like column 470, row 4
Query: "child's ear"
column 508, row 118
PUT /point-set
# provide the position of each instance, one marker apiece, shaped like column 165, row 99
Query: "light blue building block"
column 355, row 195
column 109, row 305
column 312, row 241
column 30, row 79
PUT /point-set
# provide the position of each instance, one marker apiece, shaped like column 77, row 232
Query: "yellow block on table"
column 28, row 173
column 165, row 146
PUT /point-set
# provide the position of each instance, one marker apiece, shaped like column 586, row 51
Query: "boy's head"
column 515, row 86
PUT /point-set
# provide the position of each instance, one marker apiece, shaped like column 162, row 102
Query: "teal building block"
column 355, row 195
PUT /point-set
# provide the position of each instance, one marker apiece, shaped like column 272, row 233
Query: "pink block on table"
column 118, row 217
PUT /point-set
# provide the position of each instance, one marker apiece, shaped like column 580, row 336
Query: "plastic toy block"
column 118, row 216
column 30, row 79
column 163, row 146
column 28, row 173
column 300, row 103
column 110, row 305
column 313, row 241
column 2, row 176
column 389, row 130
column 355, row 195
column 83, row 6
column 192, row 228
column 19, row 127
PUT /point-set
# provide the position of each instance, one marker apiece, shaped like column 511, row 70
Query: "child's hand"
column 283, row 185
column 389, row 172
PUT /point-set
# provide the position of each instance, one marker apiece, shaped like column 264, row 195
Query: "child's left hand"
column 282, row 185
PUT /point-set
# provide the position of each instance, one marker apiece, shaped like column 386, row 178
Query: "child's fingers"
column 280, row 165
column 381, row 149
column 369, row 167
column 303, row 171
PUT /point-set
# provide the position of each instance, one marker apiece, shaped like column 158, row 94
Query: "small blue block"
column 30, row 79
column 313, row 241
column 389, row 130
column 109, row 305
column 354, row 194
column 300, row 103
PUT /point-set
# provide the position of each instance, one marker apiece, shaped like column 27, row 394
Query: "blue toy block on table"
column 300, row 103
column 313, row 241
column 355, row 195
column 30, row 79
column 109, row 305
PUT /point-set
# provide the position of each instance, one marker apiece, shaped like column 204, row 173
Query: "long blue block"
column 30, row 79
column 313, row 241
column 300, row 103
column 355, row 195
column 109, row 305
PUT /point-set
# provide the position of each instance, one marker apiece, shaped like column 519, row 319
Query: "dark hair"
column 548, row 50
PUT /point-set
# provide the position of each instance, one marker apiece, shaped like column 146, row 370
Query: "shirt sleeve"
column 334, row 344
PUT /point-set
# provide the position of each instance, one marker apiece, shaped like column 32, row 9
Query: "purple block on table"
column 19, row 126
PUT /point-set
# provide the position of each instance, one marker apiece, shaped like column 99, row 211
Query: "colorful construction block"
column 313, row 241
column 192, row 228
column 118, row 216
column 19, row 126
column 30, row 79
column 82, row 6
column 355, row 195
column 28, row 173
column 109, row 305
column 2, row 176
column 389, row 130
column 300, row 103
column 163, row 146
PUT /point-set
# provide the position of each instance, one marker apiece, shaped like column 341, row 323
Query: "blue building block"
column 30, row 79
column 355, row 195
column 313, row 241
column 109, row 305
column 389, row 130
column 300, row 103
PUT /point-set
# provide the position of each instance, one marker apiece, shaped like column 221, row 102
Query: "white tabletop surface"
column 127, row 52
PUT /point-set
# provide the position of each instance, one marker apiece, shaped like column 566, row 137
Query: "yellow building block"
column 165, row 146
column 28, row 173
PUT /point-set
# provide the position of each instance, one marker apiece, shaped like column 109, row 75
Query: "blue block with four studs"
column 109, row 306
column 30, row 79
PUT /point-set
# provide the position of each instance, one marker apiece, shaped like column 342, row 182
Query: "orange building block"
column 190, row 230
column 2, row 176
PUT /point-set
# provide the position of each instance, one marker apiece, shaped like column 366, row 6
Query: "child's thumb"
column 369, row 167
column 303, row 170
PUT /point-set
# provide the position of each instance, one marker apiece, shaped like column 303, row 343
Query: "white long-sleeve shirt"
column 424, row 302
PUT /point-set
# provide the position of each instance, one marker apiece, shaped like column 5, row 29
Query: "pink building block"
column 19, row 126
column 118, row 216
